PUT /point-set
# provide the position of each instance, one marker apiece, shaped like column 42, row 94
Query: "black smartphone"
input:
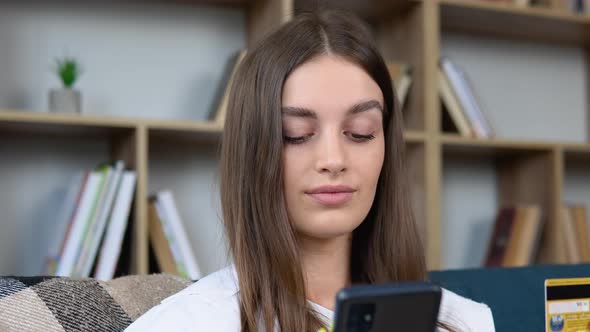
column 407, row 306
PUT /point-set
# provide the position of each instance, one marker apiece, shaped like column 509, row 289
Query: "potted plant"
column 66, row 99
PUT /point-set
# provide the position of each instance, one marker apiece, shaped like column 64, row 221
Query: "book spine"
column 459, row 86
column 172, row 239
column 180, row 234
column 452, row 105
column 500, row 237
column 74, row 239
column 106, row 175
column 63, row 221
column 111, row 247
column 475, row 105
column 98, row 228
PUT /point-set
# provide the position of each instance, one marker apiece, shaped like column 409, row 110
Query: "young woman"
column 314, row 190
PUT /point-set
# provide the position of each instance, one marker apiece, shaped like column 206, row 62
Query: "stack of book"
column 516, row 236
column 461, row 102
column 169, row 239
column 91, row 223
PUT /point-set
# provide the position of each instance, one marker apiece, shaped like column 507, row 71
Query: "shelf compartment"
column 512, row 173
column 575, row 189
column 190, row 172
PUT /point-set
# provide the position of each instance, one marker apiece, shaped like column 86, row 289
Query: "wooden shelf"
column 231, row 3
column 42, row 123
column 576, row 152
column 413, row 136
column 369, row 9
column 576, row 147
column 185, row 131
column 69, row 125
column 510, row 21
column 65, row 119
column 450, row 139
column 454, row 144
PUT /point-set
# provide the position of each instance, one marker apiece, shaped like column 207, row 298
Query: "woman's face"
column 333, row 146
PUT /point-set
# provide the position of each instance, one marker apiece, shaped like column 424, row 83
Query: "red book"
column 500, row 237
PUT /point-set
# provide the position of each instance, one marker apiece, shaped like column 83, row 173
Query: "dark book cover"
column 500, row 237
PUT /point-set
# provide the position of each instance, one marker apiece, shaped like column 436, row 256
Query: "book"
column 524, row 239
column 452, row 106
column 475, row 105
column 401, row 75
column 63, row 221
column 97, row 228
column 99, row 201
column 569, row 238
column 500, row 236
column 160, row 244
column 164, row 220
column 74, row 237
column 168, row 213
column 219, row 115
column 516, row 236
column 468, row 101
column 117, row 224
column 580, row 220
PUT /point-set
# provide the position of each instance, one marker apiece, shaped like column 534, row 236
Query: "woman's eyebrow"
column 300, row 112
column 303, row 112
column 365, row 106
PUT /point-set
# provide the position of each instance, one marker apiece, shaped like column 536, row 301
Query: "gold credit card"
column 567, row 305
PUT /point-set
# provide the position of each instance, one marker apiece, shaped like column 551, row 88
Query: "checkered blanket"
column 61, row 304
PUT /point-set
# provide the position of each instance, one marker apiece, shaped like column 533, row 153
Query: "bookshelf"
column 509, row 21
column 418, row 25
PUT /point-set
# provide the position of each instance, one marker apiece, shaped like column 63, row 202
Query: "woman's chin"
column 327, row 229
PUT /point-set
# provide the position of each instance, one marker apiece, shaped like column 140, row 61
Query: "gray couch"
column 515, row 296
column 54, row 304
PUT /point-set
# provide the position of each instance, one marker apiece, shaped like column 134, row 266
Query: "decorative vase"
column 65, row 100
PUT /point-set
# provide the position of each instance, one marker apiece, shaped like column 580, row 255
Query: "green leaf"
column 68, row 70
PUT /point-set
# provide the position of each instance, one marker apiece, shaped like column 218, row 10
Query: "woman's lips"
column 331, row 198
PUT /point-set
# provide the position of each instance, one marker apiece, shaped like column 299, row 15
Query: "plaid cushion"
column 68, row 304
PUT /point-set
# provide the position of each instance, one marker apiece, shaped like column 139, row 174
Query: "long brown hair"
column 386, row 247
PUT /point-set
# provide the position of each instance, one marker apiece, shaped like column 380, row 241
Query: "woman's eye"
column 296, row 139
column 302, row 139
column 361, row 138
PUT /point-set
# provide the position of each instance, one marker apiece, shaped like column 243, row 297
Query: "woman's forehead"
column 329, row 83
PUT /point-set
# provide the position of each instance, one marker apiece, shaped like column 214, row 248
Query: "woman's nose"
column 331, row 155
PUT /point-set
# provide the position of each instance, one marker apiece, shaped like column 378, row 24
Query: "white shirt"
column 211, row 304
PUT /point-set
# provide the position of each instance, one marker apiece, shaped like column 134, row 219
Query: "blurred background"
column 495, row 105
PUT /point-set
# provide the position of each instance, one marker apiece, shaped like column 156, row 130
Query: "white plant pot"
column 65, row 100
